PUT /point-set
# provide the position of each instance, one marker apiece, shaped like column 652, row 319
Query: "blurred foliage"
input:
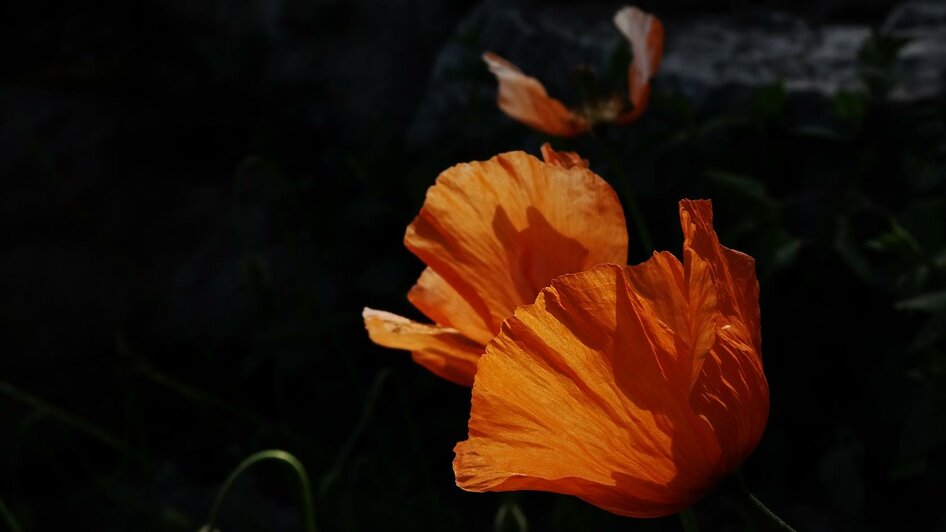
column 196, row 251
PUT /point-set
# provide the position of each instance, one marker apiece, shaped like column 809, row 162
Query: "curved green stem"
column 759, row 511
column 510, row 509
column 689, row 521
column 74, row 421
column 308, row 512
column 8, row 518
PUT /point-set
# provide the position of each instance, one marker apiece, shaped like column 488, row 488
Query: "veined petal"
column 645, row 33
column 440, row 302
column 683, row 298
column 731, row 390
column 635, row 389
column 525, row 99
column 499, row 231
column 575, row 396
column 442, row 350
column 733, row 271
column 565, row 159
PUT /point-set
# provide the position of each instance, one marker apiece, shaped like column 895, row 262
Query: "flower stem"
column 8, row 518
column 63, row 416
column 689, row 520
column 766, row 518
column 305, row 488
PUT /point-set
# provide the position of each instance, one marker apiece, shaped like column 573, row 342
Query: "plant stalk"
column 305, row 487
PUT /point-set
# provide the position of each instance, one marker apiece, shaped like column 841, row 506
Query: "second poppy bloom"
column 493, row 234
column 525, row 99
column 634, row 388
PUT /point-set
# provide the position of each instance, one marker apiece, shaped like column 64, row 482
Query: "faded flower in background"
column 525, row 99
column 634, row 388
column 493, row 234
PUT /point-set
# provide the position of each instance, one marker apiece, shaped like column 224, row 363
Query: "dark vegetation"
column 199, row 198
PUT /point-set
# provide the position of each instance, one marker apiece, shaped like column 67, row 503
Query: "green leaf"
column 851, row 255
column 878, row 61
column 931, row 302
column 849, row 105
column 769, row 102
column 741, row 184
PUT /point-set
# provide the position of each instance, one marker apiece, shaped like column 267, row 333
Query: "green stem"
column 8, row 518
column 190, row 393
column 308, row 512
column 65, row 417
column 689, row 521
column 759, row 511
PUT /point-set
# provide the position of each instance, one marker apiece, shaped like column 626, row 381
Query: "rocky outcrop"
column 707, row 58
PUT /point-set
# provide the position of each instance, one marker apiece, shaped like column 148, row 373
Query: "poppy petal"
column 731, row 391
column 733, row 270
column 635, row 389
column 574, row 396
column 565, row 159
column 499, row 231
column 645, row 33
column 525, row 99
column 442, row 350
column 446, row 307
column 683, row 297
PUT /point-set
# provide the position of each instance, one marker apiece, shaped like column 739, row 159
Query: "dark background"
column 200, row 197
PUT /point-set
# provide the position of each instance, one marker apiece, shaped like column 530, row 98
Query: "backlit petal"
column 574, row 397
column 635, row 389
column 731, row 390
column 442, row 350
column 733, row 271
column 565, row 159
column 645, row 33
column 445, row 306
column 525, row 99
column 499, row 231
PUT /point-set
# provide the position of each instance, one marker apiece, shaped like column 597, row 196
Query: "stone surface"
column 707, row 58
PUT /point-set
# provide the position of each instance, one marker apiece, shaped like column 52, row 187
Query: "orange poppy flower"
column 493, row 234
column 634, row 388
column 525, row 99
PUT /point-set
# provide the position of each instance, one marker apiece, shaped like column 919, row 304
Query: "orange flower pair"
column 525, row 99
column 634, row 388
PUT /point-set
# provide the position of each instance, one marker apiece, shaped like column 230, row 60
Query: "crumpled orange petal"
column 732, row 391
column 525, row 99
column 442, row 350
column 645, row 33
column 440, row 302
column 493, row 234
column 633, row 388
column 498, row 231
column 566, row 159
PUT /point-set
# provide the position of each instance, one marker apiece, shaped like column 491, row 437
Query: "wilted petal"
column 525, row 99
column 565, row 159
column 499, row 231
column 442, row 350
column 645, row 33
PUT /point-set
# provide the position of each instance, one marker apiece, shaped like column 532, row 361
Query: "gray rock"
column 922, row 61
column 707, row 58
column 706, row 55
